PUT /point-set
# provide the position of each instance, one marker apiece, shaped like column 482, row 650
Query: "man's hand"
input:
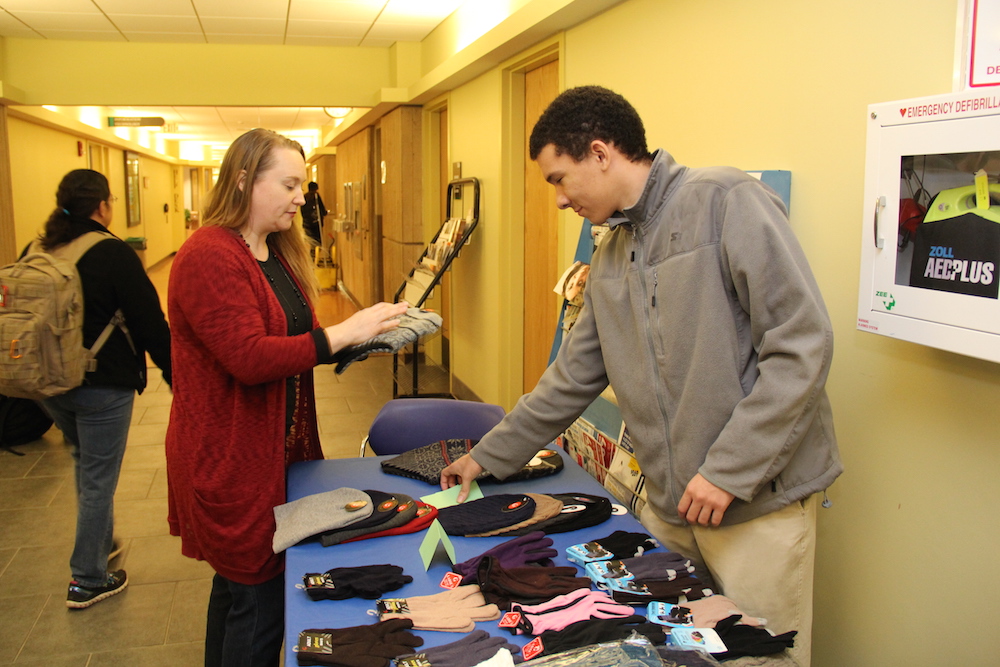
column 462, row 471
column 703, row 502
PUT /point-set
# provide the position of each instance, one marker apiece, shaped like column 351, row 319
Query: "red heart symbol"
column 902, row 112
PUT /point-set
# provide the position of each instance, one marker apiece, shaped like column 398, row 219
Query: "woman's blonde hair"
column 229, row 206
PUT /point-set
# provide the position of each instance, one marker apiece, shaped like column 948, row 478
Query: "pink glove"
column 580, row 605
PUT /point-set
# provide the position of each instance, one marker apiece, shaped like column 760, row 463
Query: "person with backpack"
column 246, row 339
column 313, row 212
column 94, row 417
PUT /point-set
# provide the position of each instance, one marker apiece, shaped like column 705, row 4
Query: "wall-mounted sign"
column 135, row 121
column 984, row 44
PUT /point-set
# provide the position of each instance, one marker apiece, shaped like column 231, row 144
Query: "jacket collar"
column 664, row 177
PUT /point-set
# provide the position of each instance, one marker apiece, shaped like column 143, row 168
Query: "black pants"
column 246, row 624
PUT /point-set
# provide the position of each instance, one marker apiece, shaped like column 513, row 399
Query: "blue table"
column 311, row 477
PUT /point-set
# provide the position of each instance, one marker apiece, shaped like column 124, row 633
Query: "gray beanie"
column 305, row 517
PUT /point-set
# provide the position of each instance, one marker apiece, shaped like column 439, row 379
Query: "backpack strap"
column 117, row 320
column 72, row 252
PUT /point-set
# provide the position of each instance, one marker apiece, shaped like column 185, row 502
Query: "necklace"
column 280, row 291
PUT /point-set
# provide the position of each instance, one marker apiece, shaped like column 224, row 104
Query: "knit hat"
column 546, row 507
column 424, row 517
column 403, row 509
column 314, row 514
column 426, row 463
column 579, row 510
column 415, row 323
column 485, row 514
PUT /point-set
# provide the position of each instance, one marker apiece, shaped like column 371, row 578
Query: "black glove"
column 359, row 646
column 471, row 650
column 584, row 633
column 365, row 581
column 745, row 640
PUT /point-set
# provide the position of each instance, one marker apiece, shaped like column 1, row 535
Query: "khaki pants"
column 765, row 565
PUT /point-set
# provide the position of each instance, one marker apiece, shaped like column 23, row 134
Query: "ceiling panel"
column 352, row 30
column 43, row 21
column 157, row 8
column 81, row 6
column 349, row 23
column 133, row 23
column 80, row 35
column 242, row 26
column 340, row 10
column 262, row 9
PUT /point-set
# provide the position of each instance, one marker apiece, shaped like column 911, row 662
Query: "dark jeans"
column 246, row 623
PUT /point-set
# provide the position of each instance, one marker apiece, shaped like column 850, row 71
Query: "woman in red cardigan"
column 245, row 341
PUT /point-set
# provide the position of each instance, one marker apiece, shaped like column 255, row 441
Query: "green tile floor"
column 160, row 619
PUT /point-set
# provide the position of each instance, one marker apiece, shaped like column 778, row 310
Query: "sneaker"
column 80, row 597
column 116, row 548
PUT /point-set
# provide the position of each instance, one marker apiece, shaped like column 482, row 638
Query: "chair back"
column 407, row 423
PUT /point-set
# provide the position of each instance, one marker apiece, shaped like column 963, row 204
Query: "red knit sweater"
column 226, row 451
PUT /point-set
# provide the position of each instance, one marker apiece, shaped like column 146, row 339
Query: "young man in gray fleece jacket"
column 702, row 314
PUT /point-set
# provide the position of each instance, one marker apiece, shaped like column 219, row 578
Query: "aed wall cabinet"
column 930, row 248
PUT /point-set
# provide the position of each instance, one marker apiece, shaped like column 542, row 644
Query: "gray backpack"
column 41, row 322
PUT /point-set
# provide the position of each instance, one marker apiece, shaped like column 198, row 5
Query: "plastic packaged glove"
column 365, row 581
column 358, row 646
column 564, row 610
column 531, row 549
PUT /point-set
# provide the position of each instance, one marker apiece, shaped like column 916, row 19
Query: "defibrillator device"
column 957, row 247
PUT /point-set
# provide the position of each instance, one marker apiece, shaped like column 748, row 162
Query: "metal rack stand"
column 456, row 192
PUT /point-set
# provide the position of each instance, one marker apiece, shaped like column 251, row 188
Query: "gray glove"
column 415, row 323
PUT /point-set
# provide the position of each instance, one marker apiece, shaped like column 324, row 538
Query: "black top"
column 113, row 277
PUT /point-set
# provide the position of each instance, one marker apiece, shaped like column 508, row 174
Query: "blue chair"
column 407, row 423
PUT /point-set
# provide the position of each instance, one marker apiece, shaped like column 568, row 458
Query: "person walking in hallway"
column 94, row 417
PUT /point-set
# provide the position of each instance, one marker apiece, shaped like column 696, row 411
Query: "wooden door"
column 541, row 304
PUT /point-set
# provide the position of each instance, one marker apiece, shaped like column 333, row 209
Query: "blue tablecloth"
column 308, row 478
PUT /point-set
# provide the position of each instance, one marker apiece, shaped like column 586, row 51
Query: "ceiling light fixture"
column 337, row 112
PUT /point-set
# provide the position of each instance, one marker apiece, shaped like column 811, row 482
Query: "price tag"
column 510, row 619
column 532, row 648
column 451, row 580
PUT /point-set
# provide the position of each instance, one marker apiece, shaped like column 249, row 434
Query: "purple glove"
column 521, row 551
column 564, row 610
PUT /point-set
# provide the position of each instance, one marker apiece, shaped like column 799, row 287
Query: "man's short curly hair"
column 580, row 115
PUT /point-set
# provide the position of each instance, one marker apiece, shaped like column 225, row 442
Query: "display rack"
column 427, row 272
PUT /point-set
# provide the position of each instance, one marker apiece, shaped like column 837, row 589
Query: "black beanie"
column 580, row 510
column 486, row 514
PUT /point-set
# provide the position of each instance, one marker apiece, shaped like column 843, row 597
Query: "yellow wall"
column 474, row 124
column 906, row 567
column 40, row 156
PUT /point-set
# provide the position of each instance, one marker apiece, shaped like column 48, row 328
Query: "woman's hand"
column 365, row 324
